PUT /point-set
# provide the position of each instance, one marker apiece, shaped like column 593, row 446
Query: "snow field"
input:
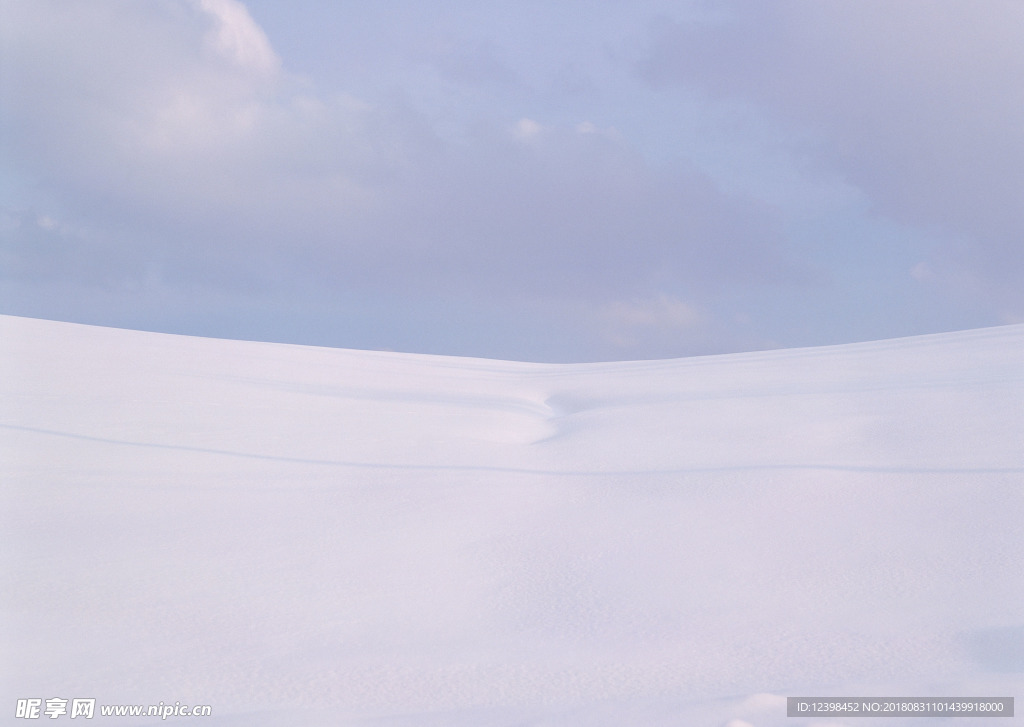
column 300, row 535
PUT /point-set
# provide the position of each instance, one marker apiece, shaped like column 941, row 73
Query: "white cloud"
column 526, row 129
column 628, row 323
column 763, row 702
column 238, row 37
column 179, row 112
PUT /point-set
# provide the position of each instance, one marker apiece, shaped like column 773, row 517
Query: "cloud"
column 185, row 143
column 125, row 98
column 629, row 323
column 176, row 151
column 182, row 126
column 764, row 702
column 916, row 103
column 661, row 312
column 527, row 129
column 238, row 37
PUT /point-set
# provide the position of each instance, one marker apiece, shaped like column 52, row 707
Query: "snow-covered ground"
column 309, row 536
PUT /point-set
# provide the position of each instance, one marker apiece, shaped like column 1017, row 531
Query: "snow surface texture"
column 309, row 536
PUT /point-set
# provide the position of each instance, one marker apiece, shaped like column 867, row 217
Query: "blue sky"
column 543, row 181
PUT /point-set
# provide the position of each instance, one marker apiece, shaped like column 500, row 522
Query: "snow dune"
column 309, row 536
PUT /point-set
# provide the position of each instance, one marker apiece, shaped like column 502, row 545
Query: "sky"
column 571, row 181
